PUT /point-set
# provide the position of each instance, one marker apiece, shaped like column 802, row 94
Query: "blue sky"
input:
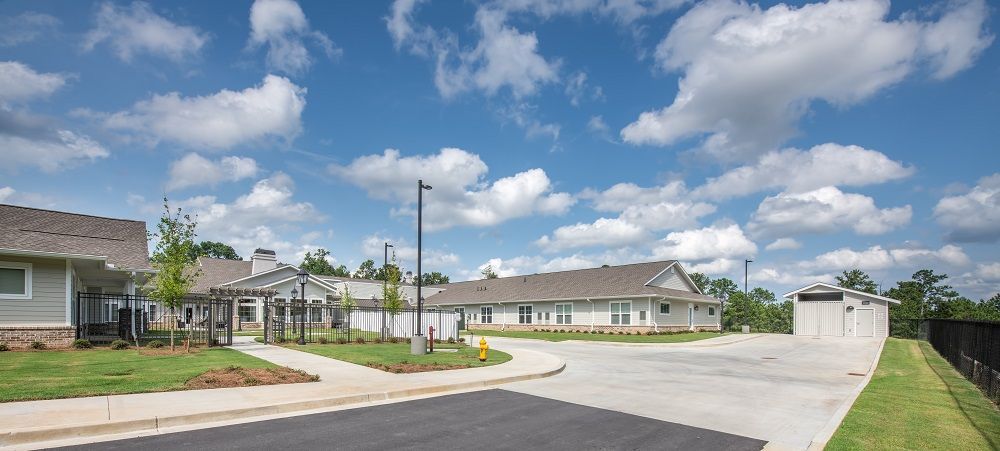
column 557, row 134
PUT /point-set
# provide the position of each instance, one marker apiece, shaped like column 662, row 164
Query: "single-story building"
column 822, row 309
column 640, row 297
column 46, row 257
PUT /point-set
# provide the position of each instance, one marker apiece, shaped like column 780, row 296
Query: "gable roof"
column 612, row 281
column 122, row 241
column 836, row 288
column 219, row 271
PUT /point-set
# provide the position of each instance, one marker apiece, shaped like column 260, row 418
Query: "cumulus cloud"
column 783, row 244
column 879, row 258
column 578, row 89
column 11, row 196
column 461, row 195
column 973, row 216
column 20, row 83
column 283, row 27
column 217, row 121
column 26, row 27
column 824, row 210
column 406, row 253
column 523, row 265
column 136, row 29
column 708, row 243
column 786, row 58
column 620, row 196
column 34, row 141
column 195, row 170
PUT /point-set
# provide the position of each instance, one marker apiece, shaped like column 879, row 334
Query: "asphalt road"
column 489, row 419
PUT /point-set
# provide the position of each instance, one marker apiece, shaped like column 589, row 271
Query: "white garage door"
column 819, row 318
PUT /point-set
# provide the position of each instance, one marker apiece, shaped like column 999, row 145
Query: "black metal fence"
column 287, row 321
column 103, row 318
column 972, row 347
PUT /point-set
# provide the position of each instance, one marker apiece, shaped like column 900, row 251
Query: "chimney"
column 263, row 260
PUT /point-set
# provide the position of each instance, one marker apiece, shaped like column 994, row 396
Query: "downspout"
column 503, row 325
column 591, row 314
column 652, row 315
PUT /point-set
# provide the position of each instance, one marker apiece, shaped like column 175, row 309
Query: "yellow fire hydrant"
column 483, row 347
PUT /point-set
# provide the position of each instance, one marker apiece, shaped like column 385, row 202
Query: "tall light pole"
column 303, row 278
column 385, row 265
column 419, row 344
column 746, row 275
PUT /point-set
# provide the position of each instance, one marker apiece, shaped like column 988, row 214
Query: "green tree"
column 347, row 304
column 857, row 279
column 434, row 278
column 989, row 309
column 903, row 316
column 317, row 263
column 392, row 296
column 341, row 271
column 214, row 249
column 366, row 270
column 391, row 270
column 722, row 288
column 701, row 280
column 489, row 273
column 936, row 294
column 176, row 271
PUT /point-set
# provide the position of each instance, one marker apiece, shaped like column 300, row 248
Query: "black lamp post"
column 303, row 279
column 385, row 264
column 746, row 275
column 420, row 229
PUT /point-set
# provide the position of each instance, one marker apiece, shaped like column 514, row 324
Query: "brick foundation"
column 586, row 328
column 23, row 336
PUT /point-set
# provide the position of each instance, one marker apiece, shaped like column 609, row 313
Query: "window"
column 248, row 313
column 539, row 316
column 621, row 313
column 642, row 315
column 524, row 314
column 564, row 313
column 711, row 311
column 15, row 280
column 486, row 315
column 316, row 313
column 664, row 308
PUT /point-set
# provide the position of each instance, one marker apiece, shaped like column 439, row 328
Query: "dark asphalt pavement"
column 489, row 419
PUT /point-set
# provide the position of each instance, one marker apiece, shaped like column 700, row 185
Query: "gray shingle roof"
column 122, row 241
column 217, row 271
column 623, row 280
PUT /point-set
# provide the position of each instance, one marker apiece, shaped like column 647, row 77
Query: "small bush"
column 323, row 340
column 155, row 344
column 341, row 341
column 451, row 340
column 81, row 343
column 461, row 339
column 250, row 380
column 360, row 340
column 377, row 340
column 621, row 333
column 409, row 340
column 393, row 339
column 37, row 345
column 437, row 341
column 4, row 347
column 119, row 345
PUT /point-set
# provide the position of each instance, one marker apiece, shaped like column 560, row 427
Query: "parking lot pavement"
column 488, row 419
column 778, row 388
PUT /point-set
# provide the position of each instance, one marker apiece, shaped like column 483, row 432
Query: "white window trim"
column 620, row 312
column 564, row 314
column 711, row 311
column 27, row 279
column 483, row 315
column 530, row 315
column 659, row 310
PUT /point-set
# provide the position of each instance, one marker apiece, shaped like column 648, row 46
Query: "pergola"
column 233, row 294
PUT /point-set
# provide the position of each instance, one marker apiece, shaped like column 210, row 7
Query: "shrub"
column 451, row 340
column 377, row 340
column 81, row 343
column 250, row 380
column 621, row 333
column 360, row 340
column 341, row 341
column 409, row 340
column 119, row 345
column 323, row 340
column 155, row 344
column 4, row 347
column 393, row 339
column 461, row 339
column 37, row 345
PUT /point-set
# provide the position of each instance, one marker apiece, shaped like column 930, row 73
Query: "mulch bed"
column 236, row 376
column 415, row 367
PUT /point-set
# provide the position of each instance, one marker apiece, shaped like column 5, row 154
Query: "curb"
column 696, row 343
column 46, row 434
column 824, row 435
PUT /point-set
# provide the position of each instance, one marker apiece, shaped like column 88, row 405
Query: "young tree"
column 391, row 294
column 366, row 270
column 701, row 280
column 317, row 263
column 857, row 279
column 347, row 304
column 214, row 249
column 176, row 271
column 434, row 278
column 488, row 272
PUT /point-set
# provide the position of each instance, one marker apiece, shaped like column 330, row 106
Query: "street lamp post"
column 303, row 278
column 418, row 345
column 746, row 275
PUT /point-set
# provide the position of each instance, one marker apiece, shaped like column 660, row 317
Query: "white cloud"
column 620, row 196
column 824, row 210
column 11, row 196
column 798, row 171
column 988, row 271
column 136, row 29
column 26, row 27
column 783, row 244
column 524, row 265
column 878, row 258
column 406, row 253
column 222, row 120
column 749, row 74
column 523, row 116
column 983, row 281
column 602, row 232
column 973, row 216
column 460, row 195
column 20, row 83
column 709, row 243
column 621, row 11
column 283, row 27
column 195, row 170
column 597, row 125
column 34, row 141
column 579, row 90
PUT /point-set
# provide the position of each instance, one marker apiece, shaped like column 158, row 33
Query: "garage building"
column 822, row 309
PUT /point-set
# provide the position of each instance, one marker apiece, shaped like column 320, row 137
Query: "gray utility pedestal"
column 418, row 345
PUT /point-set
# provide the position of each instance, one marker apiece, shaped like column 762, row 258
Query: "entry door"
column 866, row 322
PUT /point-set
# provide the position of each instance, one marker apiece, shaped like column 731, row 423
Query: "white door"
column 690, row 316
column 866, row 322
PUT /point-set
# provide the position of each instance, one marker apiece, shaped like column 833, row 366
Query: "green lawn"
column 916, row 400
column 249, row 333
column 556, row 336
column 69, row 374
column 394, row 353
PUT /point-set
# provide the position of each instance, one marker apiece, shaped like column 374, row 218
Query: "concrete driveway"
column 779, row 388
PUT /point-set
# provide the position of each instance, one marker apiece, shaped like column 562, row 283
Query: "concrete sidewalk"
column 341, row 384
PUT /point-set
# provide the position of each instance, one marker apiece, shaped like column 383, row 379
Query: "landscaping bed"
column 33, row 375
column 396, row 357
column 235, row 376
column 916, row 400
column 671, row 337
